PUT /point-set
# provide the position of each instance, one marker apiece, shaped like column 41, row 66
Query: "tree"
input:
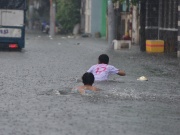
column 68, row 13
column 37, row 10
column 44, row 10
column 134, row 2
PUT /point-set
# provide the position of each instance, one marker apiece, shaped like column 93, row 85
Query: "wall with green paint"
column 96, row 8
column 103, row 21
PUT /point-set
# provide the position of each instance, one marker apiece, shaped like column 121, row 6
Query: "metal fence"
column 161, row 22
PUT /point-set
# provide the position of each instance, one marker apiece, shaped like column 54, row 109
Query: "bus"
column 12, row 24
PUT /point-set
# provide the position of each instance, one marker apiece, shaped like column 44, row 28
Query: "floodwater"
column 36, row 98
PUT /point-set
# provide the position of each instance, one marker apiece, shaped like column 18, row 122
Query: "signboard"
column 10, row 32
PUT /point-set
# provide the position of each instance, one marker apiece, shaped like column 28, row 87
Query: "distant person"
column 43, row 25
column 88, row 80
column 47, row 27
column 102, row 70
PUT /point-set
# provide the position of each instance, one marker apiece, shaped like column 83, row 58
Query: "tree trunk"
column 142, row 25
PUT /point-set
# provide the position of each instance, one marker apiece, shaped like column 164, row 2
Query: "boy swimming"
column 102, row 70
column 88, row 80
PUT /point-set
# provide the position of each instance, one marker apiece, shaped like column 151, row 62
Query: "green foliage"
column 68, row 13
column 134, row 2
column 121, row 1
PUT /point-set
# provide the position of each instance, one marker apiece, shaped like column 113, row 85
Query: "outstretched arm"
column 121, row 73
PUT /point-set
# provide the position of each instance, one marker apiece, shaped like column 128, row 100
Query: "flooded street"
column 35, row 89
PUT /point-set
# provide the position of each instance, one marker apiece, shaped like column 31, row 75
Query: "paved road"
column 29, row 81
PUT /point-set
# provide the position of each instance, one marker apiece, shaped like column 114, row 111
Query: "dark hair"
column 103, row 58
column 88, row 78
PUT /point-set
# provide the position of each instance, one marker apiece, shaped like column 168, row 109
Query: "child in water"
column 88, row 80
column 102, row 70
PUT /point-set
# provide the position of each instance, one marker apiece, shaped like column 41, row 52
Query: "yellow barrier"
column 155, row 46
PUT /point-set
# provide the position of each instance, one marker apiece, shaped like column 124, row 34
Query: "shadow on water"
column 10, row 50
column 18, row 50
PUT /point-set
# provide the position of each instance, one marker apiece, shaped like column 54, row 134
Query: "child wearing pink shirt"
column 102, row 70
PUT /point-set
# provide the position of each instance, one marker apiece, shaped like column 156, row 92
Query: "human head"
column 103, row 58
column 88, row 78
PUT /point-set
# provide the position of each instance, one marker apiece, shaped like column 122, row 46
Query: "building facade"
column 93, row 17
column 104, row 19
column 161, row 22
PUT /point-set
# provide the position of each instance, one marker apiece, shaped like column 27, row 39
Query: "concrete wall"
column 96, row 15
column 104, row 21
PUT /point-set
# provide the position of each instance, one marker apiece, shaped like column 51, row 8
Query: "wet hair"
column 88, row 78
column 103, row 58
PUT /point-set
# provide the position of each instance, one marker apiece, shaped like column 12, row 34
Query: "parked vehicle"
column 45, row 27
column 12, row 23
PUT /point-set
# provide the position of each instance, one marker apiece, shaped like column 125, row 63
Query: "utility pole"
column 52, row 18
column 135, row 25
column 142, row 25
column 178, row 37
column 111, row 23
column 31, row 12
